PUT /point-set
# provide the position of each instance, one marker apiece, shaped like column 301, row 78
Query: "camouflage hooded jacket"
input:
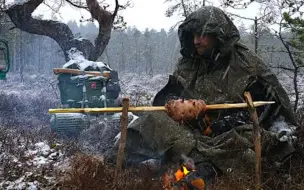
column 230, row 70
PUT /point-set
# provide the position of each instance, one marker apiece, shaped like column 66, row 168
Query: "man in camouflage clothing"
column 216, row 68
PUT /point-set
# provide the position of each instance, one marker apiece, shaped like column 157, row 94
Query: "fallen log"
column 153, row 108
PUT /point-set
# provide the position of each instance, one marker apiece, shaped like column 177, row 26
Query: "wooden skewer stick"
column 257, row 139
column 153, row 108
column 79, row 72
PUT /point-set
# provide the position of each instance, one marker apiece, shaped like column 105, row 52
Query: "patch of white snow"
column 76, row 57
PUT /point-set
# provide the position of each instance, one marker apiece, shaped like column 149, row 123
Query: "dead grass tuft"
column 91, row 172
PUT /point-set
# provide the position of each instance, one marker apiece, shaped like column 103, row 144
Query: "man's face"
column 204, row 43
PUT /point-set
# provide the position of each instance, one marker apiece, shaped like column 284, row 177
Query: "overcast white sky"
column 143, row 14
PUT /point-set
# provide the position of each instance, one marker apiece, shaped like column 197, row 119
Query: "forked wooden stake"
column 123, row 136
column 257, row 139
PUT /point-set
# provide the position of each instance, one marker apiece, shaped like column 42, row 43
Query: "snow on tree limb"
column 76, row 57
column 21, row 16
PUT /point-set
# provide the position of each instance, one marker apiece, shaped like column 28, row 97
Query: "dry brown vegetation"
column 18, row 114
column 91, row 172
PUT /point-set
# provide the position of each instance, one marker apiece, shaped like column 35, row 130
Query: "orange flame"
column 180, row 173
column 169, row 182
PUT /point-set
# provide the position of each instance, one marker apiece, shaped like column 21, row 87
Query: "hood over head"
column 208, row 20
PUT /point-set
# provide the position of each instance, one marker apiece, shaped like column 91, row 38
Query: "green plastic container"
column 71, row 91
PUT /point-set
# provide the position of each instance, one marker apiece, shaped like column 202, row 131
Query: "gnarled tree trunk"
column 21, row 16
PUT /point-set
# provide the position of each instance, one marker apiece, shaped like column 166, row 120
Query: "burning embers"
column 185, row 177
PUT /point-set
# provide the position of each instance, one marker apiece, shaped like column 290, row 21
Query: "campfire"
column 180, row 173
column 185, row 177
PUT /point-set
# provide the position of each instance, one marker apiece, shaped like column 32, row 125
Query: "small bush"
column 26, row 112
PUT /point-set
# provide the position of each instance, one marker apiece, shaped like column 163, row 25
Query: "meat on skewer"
column 185, row 110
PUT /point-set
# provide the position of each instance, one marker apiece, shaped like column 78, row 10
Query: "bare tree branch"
column 75, row 5
column 116, row 8
column 184, row 9
column 60, row 32
column 97, row 12
column 247, row 18
column 280, row 67
column 236, row 4
column 296, row 67
column 54, row 10
column 287, row 47
column 105, row 20
column 21, row 17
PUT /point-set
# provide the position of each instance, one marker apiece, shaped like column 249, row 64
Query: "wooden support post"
column 257, row 139
column 123, row 136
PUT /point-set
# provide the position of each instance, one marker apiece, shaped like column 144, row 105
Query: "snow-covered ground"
column 32, row 85
column 28, row 161
column 141, row 89
column 32, row 159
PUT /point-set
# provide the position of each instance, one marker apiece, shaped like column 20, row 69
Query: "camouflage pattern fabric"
column 230, row 70
column 221, row 77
